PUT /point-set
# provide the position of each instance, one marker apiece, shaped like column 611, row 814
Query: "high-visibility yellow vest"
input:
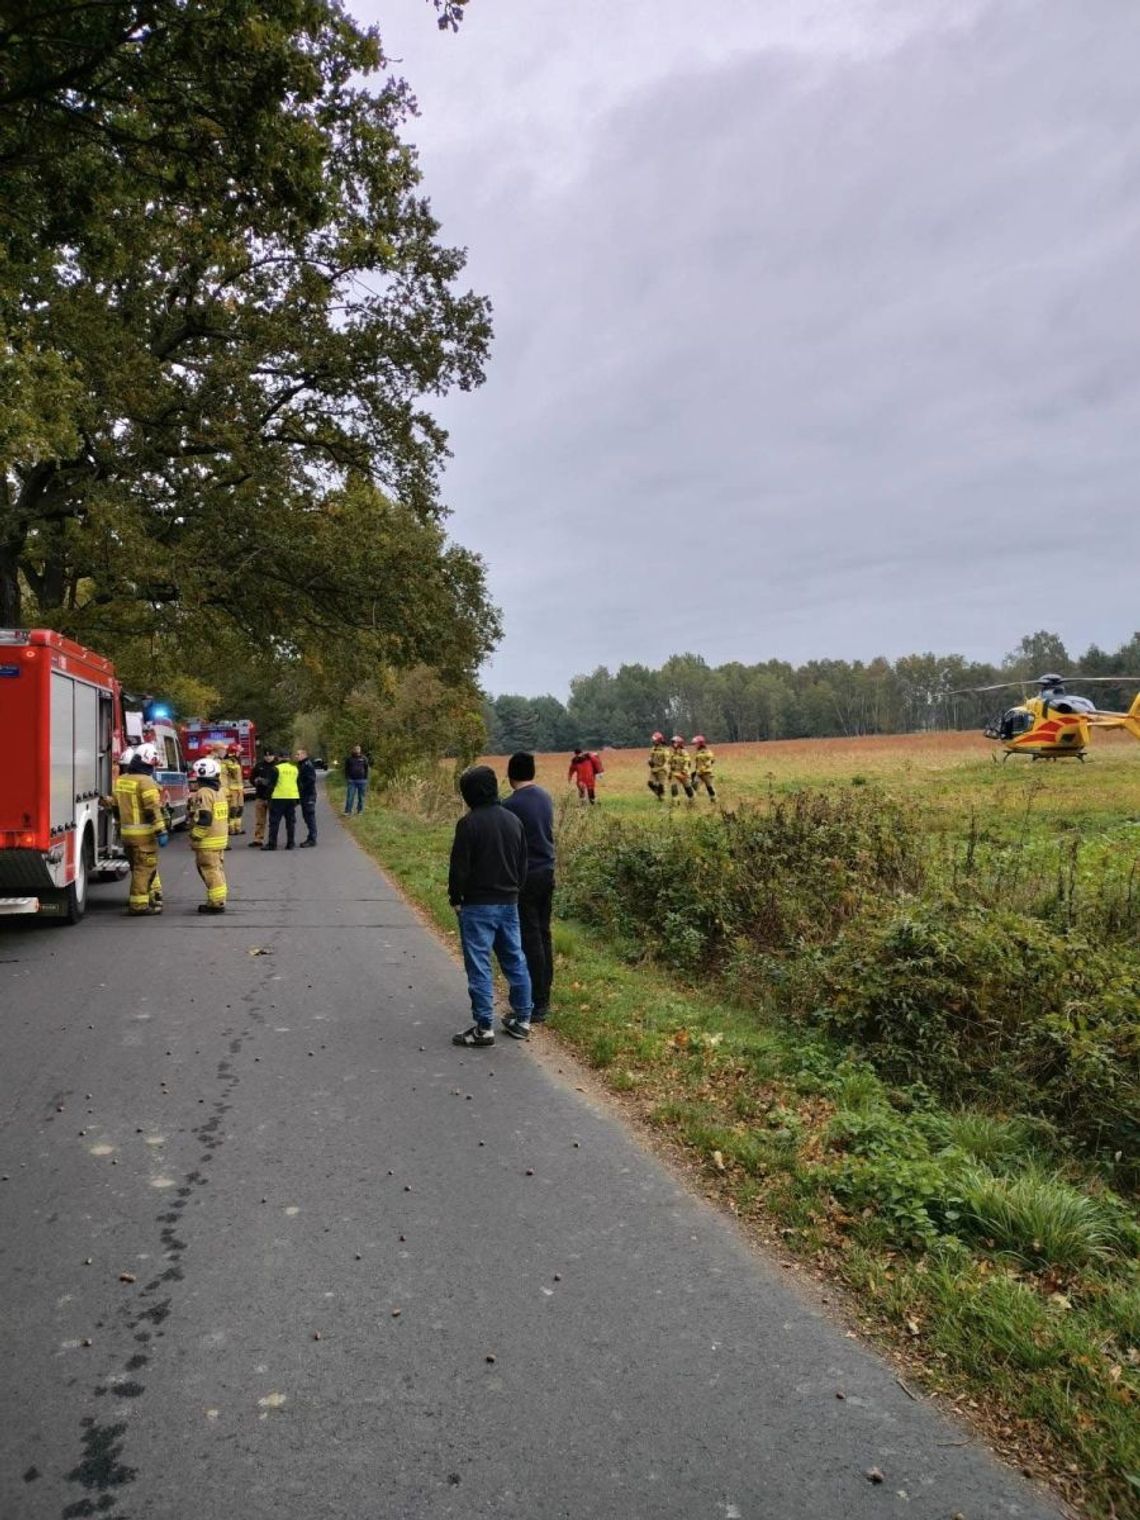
column 138, row 802
column 286, row 789
column 215, row 834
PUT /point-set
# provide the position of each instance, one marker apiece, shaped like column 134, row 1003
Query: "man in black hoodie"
column 488, row 870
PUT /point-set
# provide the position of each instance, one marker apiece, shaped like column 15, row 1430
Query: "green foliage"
column 994, row 1004
column 722, row 888
column 776, row 700
column 223, row 306
column 404, row 720
column 1041, row 1219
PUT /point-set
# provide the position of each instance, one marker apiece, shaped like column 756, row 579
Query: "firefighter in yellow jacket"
column 234, row 783
column 703, row 762
column 209, row 834
column 137, row 804
column 679, row 771
column 658, row 767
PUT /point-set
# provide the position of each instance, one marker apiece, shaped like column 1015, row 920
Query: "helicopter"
column 1056, row 724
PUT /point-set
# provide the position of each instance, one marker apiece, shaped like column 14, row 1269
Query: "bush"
column 994, row 1006
column 705, row 891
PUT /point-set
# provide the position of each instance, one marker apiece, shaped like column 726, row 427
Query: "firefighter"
column 137, row 804
column 703, row 762
column 585, row 768
column 210, row 832
column 658, row 767
column 679, row 771
column 234, row 783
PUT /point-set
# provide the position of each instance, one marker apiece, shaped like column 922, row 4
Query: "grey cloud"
column 816, row 355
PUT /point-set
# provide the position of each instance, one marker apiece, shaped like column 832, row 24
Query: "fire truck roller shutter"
column 62, row 751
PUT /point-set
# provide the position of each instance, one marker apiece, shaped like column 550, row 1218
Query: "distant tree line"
column 776, row 700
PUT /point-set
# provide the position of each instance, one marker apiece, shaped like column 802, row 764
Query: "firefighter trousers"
column 212, row 870
column 656, row 784
column 704, row 778
column 237, row 807
column 146, row 889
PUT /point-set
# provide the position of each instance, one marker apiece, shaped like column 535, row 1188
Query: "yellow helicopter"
column 1057, row 724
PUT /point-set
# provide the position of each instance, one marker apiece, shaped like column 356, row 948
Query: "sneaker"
column 518, row 1029
column 254, row 844
column 478, row 1034
column 290, row 846
column 540, row 1015
column 268, row 847
column 307, row 844
column 211, row 907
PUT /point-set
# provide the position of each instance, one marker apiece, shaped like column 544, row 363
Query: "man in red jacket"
column 585, row 768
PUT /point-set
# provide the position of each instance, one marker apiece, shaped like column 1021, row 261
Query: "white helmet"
column 148, row 754
column 207, row 769
column 127, row 756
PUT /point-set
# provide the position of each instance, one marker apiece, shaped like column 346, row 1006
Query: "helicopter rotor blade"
column 1107, row 680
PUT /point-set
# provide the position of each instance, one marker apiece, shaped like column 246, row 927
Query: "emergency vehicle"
column 199, row 738
column 61, row 716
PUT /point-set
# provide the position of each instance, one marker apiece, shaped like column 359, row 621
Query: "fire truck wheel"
column 74, row 896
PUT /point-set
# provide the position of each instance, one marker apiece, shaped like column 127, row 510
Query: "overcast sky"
column 817, row 322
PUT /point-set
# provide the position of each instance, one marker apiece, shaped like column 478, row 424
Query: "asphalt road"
column 271, row 1249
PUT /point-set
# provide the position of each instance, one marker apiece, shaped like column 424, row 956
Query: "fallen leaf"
column 127, row 1277
column 260, row 950
column 271, row 1401
column 718, row 1161
column 873, row 1475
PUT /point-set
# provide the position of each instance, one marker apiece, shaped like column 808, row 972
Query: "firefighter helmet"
column 678, row 741
column 659, row 738
column 700, row 741
column 147, row 754
column 207, row 769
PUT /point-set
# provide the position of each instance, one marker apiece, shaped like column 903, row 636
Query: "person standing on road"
column 137, row 803
column 532, row 805
column 284, row 794
column 356, row 768
column 260, row 776
column 487, row 872
column 209, row 837
column 235, row 788
column 307, row 786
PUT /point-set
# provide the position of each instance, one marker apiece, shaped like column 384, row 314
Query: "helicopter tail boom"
column 1129, row 720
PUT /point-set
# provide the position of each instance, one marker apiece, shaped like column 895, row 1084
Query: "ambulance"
column 62, row 721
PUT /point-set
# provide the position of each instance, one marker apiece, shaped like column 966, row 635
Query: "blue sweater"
column 534, row 808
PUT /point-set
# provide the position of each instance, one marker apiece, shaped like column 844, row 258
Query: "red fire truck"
column 199, row 737
column 61, row 715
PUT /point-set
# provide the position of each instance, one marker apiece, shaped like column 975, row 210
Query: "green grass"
column 974, row 1237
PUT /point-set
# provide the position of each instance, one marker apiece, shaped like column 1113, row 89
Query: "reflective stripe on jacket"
column 138, row 803
column 214, row 833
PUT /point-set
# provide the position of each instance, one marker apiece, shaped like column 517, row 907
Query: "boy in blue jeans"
column 488, row 870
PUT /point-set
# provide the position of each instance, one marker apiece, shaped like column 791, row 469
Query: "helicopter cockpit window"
column 1014, row 722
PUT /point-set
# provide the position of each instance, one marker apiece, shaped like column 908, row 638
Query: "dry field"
column 953, row 773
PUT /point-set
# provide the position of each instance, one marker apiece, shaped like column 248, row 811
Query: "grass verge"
column 1001, row 1268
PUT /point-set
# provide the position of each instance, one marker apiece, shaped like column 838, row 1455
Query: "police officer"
column 284, row 795
column 703, row 762
column 658, row 767
column 679, row 769
column 137, row 804
column 210, row 833
column 234, row 783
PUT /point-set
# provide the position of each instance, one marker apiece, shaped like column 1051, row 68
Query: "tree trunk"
column 10, row 598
